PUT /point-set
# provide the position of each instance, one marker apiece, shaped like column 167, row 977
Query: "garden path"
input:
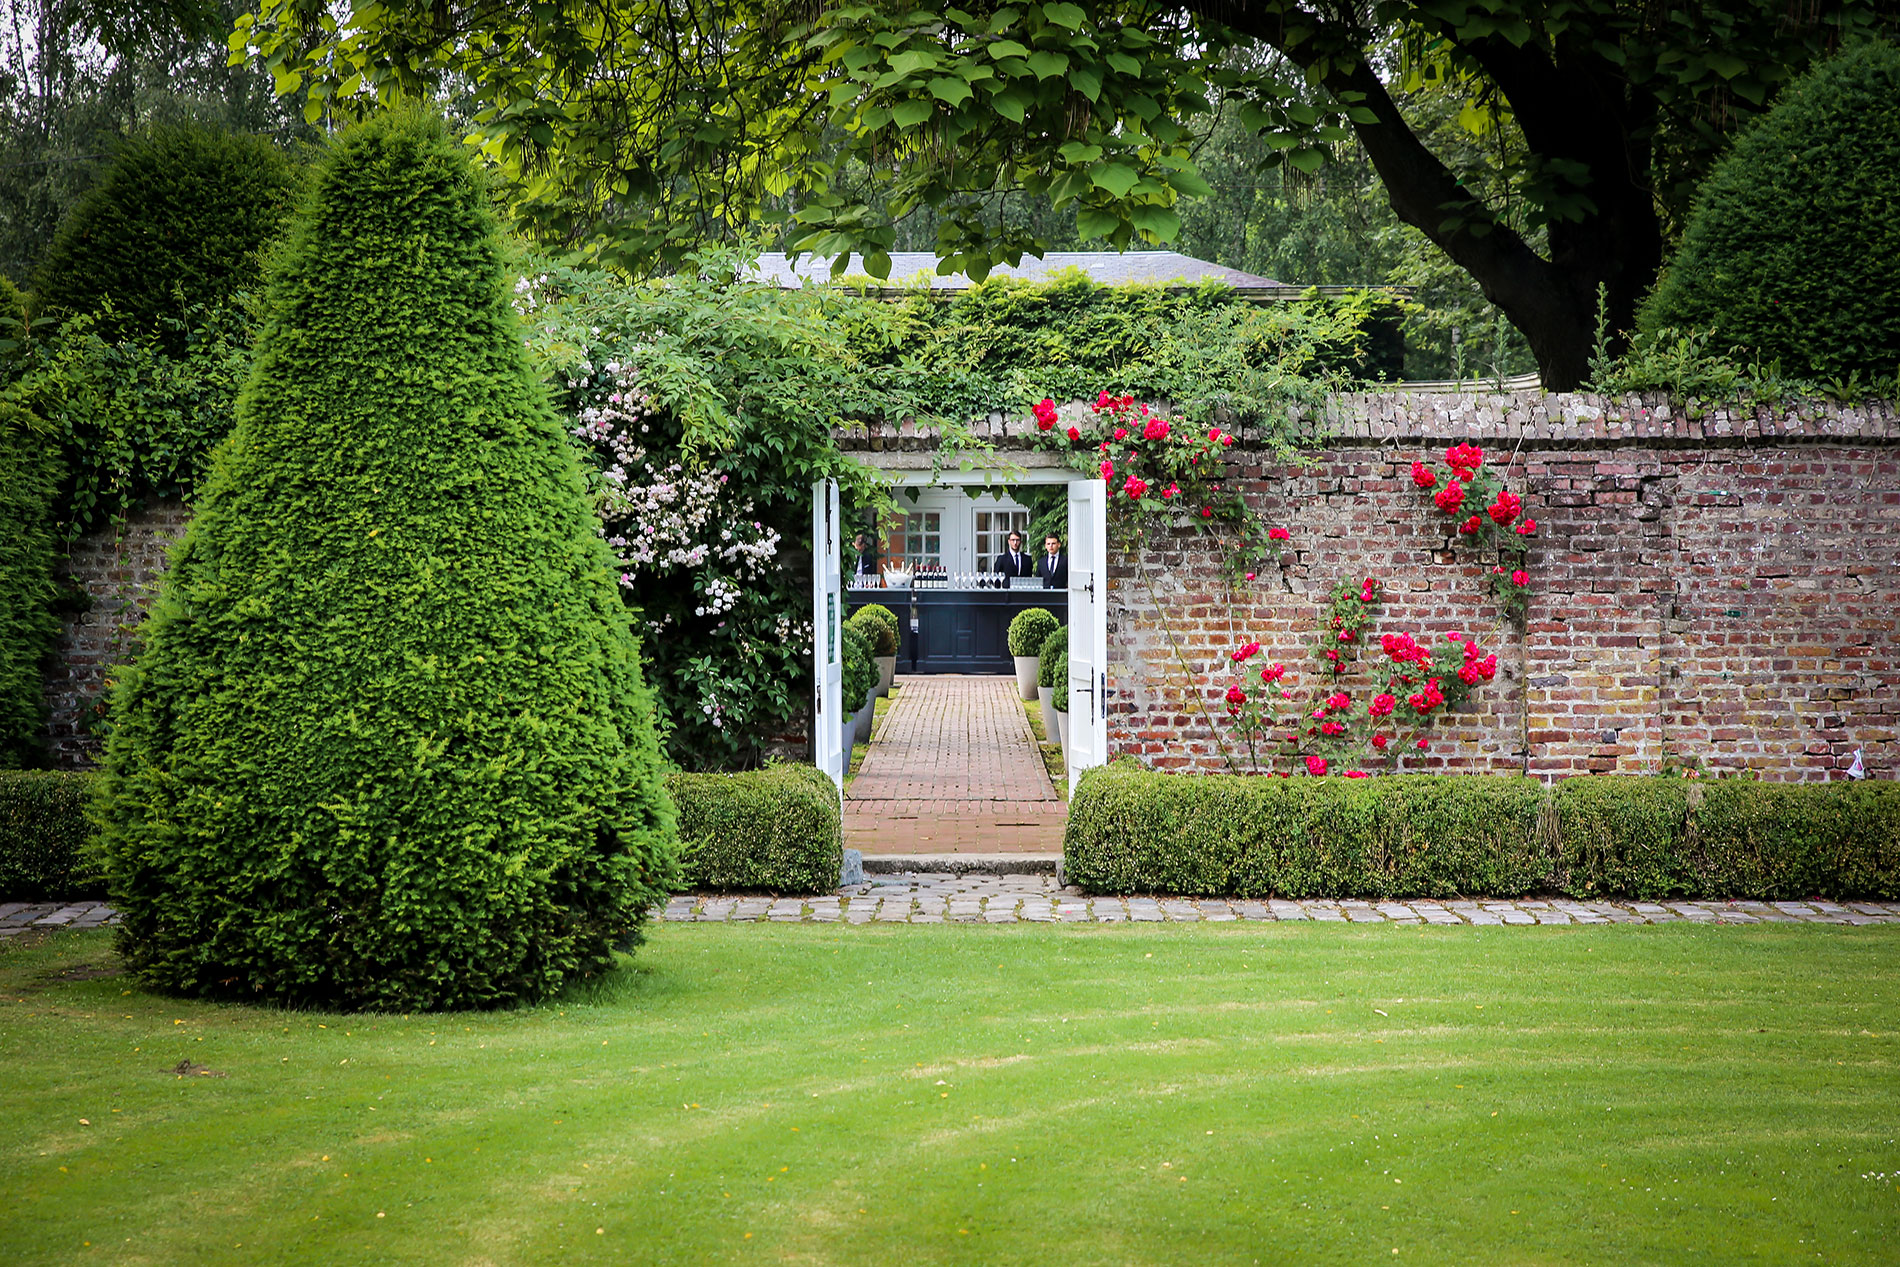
column 954, row 769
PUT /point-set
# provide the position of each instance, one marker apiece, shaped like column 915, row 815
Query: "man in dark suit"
column 1015, row 561
column 863, row 559
column 1053, row 567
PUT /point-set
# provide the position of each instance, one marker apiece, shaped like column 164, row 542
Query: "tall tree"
column 641, row 126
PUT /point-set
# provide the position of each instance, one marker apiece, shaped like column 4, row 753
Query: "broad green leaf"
column 1191, row 184
column 954, row 91
column 913, row 60
column 1306, row 160
column 1093, row 222
column 1010, row 103
column 1123, row 63
column 1067, row 15
column 908, row 114
column 1087, row 82
column 1116, row 178
column 1047, row 65
column 1159, row 221
column 1078, row 152
column 1000, row 49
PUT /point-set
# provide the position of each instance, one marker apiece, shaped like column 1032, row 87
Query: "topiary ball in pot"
column 1054, row 647
column 1030, row 626
column 387, row 744
column 860, row 674
column 883, row 616
column 882, row 637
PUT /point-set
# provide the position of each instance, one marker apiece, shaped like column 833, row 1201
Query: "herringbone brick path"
column 954, row 769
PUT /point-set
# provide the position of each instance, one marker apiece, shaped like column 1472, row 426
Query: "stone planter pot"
column 861, row 722
column 1062, row 730
column 886, row 673
column 1026, row 666
column 848, row 733
column 1047, row 694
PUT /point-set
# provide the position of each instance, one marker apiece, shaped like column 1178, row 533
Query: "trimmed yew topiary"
column 1028, row 628
column 182, row 215
column 387, row 745
column 1793, row 249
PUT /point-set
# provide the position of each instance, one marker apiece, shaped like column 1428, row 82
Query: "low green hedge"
column 780, row 829
column 1136, row 830
column 44, row 835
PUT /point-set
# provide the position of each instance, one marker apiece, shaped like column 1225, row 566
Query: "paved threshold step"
column 962, row 863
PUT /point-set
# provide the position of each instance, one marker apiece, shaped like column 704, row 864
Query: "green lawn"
column 992, row 1095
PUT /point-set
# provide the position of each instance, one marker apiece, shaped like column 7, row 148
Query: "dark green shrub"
column 387, row 744
column 883, row 616
column 29, row 477
column 882, row 637
column 860, row 671
column 1054, row 647
column 778, row 830
column 1794, row 840
column 1790, row 251
column 1060, row 681
column 44, row 834
column 1132, row 830
column 1624, row 836
column 180, row 218
column 1029, row 627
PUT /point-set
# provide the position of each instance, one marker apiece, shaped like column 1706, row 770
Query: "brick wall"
column 118, row 572
column 1722, row 589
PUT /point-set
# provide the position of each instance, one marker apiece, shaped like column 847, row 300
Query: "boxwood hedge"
column 44, row 835
column 1136, row 830
column 778, row 830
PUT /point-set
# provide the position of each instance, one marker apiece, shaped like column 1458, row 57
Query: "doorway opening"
column 954, row 766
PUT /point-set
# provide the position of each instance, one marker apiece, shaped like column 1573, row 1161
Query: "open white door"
column 827, row 653
column 1088, row 626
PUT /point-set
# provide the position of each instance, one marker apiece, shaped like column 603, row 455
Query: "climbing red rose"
column 1316, row 766
column 1279, row 534
column 1450, row 497
column 1528, row 528
column 1382, row 705
column 1421, row 476
column 1045, row 414
column 1246, row 653
column 1520, row 578
column 1506, row 507
column 1157, row 429
column 1075, row 433
column 1136, row 488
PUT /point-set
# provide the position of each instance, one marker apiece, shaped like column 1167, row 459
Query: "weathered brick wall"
column 1721, row 589
column 118, row 573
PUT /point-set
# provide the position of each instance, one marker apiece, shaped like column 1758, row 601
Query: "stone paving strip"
column 941, row 897
column 934, row 898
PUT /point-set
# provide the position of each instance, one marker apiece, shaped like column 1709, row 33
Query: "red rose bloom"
column 1121, row 433
column 1450, row 497
column 1382, row 705
column 1357, row 774
column 1520, row 578
column 1331, row 728
column 1422, row 477
column 1316, row 766
column 1528, row 528
column 1506, row 507
column 1273, row 673
column 1157, row 429
column 1075, row 433
column 1246, row 653
column 1379, row 742
column 1108, row 470
column 1464, row 459
column 1136, row 488
column 1171, row 490
column 1279, row 534
column 1472, row 524
column 1422, row 746
column 1206, row 512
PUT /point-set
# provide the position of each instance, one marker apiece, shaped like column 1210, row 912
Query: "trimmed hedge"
column 44, row 834
column 1059, row 683
column 778, row 830
column 1028, row 629
column 1136, row 830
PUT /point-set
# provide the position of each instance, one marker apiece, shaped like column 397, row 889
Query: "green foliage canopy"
column 387, row 745
column 29, row 471
column 641, row 126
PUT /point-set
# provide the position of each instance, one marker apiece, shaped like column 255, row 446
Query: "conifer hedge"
column 387, row 745
column 29, row 473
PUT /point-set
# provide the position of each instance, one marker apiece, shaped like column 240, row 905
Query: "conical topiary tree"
column 387, row 745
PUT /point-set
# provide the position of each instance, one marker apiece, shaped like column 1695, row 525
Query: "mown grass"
column 992, row 1095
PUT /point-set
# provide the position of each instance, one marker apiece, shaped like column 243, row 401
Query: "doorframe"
column 984, row 476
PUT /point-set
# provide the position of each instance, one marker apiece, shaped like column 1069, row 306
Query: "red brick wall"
column 1722, row 590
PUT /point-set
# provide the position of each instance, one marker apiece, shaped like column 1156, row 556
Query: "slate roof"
column 1109, row 268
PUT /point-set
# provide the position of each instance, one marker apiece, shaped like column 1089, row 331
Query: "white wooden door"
column 1088, row 626
column 827, row 652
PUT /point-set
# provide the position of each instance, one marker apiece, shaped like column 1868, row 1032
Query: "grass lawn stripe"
column 1079, row 1094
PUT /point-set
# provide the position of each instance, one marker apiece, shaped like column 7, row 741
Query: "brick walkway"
column 954, row 769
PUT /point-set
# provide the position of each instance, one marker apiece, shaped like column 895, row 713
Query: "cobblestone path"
column 954, row 769
column 1037, row 899
column 935, row 899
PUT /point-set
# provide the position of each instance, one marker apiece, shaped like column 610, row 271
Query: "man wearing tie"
column 866, row 566
column 1015, row 561
column 1053, row 567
